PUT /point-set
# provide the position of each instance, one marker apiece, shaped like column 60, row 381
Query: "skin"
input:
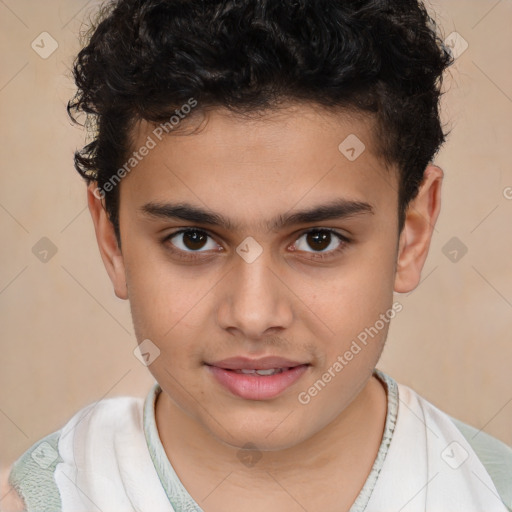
column 285, row 303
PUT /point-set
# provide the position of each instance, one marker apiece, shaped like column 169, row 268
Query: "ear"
column 416, row 235
column 107, row 242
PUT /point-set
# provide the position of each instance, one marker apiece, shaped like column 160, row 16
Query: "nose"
column 254, row 299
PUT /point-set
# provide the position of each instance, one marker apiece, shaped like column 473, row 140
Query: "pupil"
column 319, row 239
column 194, row 239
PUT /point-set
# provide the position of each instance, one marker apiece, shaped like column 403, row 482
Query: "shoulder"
column 32, row 476
column 495, row 455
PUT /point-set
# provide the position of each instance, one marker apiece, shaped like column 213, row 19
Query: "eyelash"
column 317, row 256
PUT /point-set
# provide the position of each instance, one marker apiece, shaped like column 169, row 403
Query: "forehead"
column 260, row 166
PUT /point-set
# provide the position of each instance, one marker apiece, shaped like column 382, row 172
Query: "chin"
column 271, row 436
column 260, row 443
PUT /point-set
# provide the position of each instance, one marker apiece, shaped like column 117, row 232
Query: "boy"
column 261, row 182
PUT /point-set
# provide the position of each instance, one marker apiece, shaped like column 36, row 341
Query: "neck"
column 342, row 452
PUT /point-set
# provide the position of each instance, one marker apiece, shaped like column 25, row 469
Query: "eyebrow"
column 334, row 210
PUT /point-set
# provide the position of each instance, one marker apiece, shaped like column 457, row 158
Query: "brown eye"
column 191, row 240
column 319, row 240
column 194, row 240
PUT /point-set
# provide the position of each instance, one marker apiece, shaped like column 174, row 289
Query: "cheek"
column 168, row 301
column 353, row 296
column 169, row 305
column 153, row 312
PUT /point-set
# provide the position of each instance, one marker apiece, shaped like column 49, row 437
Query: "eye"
column 191, row 240
column 323, row 241
column 190, row 243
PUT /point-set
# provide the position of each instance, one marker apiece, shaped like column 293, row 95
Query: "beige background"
column 68, row 341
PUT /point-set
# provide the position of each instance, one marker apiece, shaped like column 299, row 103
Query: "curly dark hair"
column 146, row 58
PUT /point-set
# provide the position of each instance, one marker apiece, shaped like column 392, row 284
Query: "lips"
column 270, row 371
column 257, row 379
column 264, row 363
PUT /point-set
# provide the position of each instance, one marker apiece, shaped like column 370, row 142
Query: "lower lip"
column 257, row 387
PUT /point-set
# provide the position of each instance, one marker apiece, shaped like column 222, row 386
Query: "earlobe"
column 416, row 235
column 107, row 243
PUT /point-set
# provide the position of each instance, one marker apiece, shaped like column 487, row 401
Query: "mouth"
column 264, row 373
column 257, row 380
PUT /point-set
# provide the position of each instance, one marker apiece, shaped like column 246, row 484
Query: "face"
column 261, row 240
